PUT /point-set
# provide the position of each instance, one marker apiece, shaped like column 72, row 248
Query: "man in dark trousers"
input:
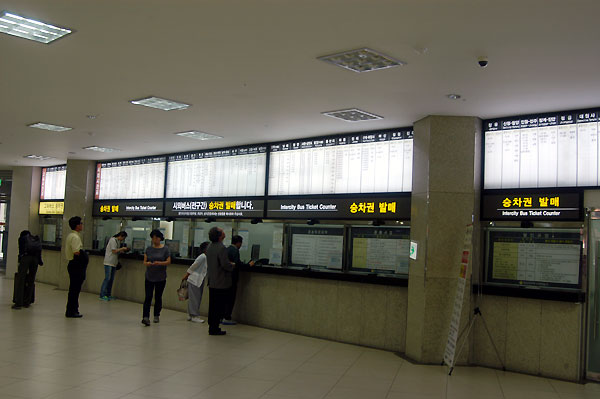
column 219, row 280
column 78, row 261
column 30, row 256
column 233, row 252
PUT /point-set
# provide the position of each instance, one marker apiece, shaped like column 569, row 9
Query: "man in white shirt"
column 77, row 266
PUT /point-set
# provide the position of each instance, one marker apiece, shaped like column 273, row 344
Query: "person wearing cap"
column 156, row 260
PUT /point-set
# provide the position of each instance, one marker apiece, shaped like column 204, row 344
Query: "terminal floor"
column 108, row 354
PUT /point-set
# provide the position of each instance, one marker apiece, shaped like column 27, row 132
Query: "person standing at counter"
column 78, row 261
column 30, row 256
column 233, row 253
column 219, row 280
column 111, row 259
column 156, row 260
column 195, row 277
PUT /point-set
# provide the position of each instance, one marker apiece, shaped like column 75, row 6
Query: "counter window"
column 51, row 230
column 379, row 249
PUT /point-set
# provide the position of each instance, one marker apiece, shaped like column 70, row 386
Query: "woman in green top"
column 156, row 260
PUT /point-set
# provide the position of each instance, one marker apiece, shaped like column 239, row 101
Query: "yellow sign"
column 52, row 208
column 109, row 209
column 527, row 202
column 370, row 207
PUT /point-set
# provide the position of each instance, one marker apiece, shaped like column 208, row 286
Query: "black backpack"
column 34, row 245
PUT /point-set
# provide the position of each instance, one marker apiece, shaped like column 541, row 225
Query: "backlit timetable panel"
column 53, row 183
column 360, row 163
column 237, row 172
column 550, row 150
column 138, row 178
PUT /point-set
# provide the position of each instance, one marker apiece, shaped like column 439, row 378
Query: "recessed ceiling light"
column 48, row 126
column 160, row 103
column 352, row 115
column 195, row 134
column 37, row 157
column 454, row 96
column 362, row 60
column 27, row 28
column 100, row 149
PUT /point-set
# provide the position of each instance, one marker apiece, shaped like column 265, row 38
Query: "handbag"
column 182, row 291
column 119, row 266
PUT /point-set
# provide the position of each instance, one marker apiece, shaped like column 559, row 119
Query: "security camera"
column 482, row 61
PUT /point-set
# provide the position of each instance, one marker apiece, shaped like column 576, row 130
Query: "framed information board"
column 546, row 150
column 534, row 257
column 236, row 172
column 53, row 183
column 139, row 178
column 373, row 162
column 317, row 246
column 380, row 249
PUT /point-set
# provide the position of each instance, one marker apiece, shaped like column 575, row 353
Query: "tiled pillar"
column 24, row 203
column 445, row 199
column 79, row 198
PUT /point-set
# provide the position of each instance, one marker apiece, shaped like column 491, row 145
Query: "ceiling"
column 250, row 71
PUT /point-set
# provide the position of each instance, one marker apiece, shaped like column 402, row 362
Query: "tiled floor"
column 108, row 354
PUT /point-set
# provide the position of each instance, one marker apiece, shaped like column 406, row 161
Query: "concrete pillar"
column 24, row 204
column 445, row 199
column 79, row 197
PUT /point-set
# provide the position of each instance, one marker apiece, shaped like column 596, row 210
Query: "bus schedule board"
column 539, row 258
column 532, row 205
column 330, row 208
column 372, row 162
column 138, row 178
column 53, row 183
column 234, row 172
column 546, row 150
column 381, row 249
column 216, row 207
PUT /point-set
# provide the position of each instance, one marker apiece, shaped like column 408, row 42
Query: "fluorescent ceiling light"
column 37, row 157
column 362, row 60
column 27, row 28
column 195, row 134
column 48, row 126
column 100, row 149
column 160, row 103
column 352, row 115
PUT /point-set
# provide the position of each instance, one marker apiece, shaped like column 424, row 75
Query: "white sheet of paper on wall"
column 245, row 234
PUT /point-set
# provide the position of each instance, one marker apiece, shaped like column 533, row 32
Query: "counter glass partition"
column 51, row 230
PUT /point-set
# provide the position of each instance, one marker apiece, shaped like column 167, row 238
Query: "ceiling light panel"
column 195, row 134
column 48, row 126
column 37, row 157
column 160, row 103
column 27, row 28
column 352, row 115
column 362, row 60
column 100, row 149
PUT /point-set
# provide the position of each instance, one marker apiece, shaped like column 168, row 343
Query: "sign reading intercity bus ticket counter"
column 218, row 208
column 392, row 208
column 128, row 208
column 530, row 205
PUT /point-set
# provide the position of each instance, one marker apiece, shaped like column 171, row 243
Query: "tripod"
column 467, row 330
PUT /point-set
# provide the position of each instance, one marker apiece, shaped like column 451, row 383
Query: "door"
column 593, row 324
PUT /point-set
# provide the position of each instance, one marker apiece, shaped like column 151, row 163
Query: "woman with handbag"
column 111, row 260
column 195, row 279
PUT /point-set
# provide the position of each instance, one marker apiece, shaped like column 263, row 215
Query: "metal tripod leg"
column 492, row 341
column 466, row 330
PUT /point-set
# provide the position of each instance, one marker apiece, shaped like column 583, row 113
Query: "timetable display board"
column 139, row 178
column 236, row 172
column 380, row 249
column 546, row 150
column 53, row 183
column 534, row 257
column 374, row 162
column 317, row 246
